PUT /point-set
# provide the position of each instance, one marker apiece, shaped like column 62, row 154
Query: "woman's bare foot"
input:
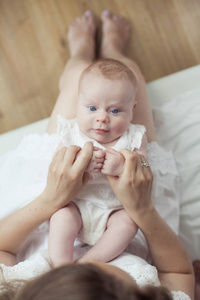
column 115, row 35
column 81, row 37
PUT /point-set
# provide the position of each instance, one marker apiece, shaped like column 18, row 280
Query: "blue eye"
column 114, row 111
column 92, row 108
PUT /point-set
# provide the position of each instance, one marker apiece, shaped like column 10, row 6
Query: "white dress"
column 97, row 201
column 23, row 174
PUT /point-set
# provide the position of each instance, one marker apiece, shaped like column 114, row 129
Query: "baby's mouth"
column 100, row 131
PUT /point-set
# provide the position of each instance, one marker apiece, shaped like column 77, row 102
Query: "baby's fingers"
column 99, row 160
column 99, row 154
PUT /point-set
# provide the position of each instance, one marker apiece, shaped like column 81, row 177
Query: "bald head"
column 110, row 69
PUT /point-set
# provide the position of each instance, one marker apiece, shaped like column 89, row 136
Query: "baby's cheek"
column 122, row 126
column 83, row 122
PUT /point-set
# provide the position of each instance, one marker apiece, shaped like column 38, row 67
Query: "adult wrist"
column 141, row 215
column 46, row 206
column 52, row 204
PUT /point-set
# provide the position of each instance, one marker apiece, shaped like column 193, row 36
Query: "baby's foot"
column 81, row 36
column 113, row 164
column 97, row 161
column 115, row 35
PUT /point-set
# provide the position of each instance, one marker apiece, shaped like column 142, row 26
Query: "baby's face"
column 105, row 108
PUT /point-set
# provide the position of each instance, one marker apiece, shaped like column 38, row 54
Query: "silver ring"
column 145, row 164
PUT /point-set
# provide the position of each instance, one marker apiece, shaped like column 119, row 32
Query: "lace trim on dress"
column 143, row 274
column 180, row 296
column 137, row 133
column 28, row 269
column 161, row 159
column 63, row 129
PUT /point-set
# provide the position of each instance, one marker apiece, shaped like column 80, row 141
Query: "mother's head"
column 84, row 282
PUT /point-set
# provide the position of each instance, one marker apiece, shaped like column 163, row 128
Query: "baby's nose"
column 102, row 117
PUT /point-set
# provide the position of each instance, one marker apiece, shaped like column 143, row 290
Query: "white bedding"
column 176, row 107
column 178, row 129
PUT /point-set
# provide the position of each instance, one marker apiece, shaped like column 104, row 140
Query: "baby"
column 106, row 102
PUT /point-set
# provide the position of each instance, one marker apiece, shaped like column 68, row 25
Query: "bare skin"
column 119, row 222
column 115, row 35
column 133, row 188
column 81, row 35
column 82, row 53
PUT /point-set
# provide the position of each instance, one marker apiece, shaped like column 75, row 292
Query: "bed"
column 175, row 100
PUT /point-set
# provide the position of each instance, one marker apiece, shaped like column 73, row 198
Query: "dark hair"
column 81, row 282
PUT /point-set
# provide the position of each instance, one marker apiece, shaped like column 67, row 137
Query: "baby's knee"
column 69, row 214
column 121, row 219
column 129, row 225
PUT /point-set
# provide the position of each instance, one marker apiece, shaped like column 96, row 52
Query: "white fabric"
column 165, row 195
column 25, row 270
column 70, row 134
column 177, row 124
column 178, row 130
column 143, row 273
column 25, row 170
column 96, row 201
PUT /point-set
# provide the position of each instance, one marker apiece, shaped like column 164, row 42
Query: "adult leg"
column 115, row 34
column 81, row 39
column 118, row 234
column 64, row 227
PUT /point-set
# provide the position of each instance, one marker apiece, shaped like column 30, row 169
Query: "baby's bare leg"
column 64, row 227
column 81, row 40
column 115, row 35
column 119, row 233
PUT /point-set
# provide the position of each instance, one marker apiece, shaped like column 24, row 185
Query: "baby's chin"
column 101, row 138
column 106, row 142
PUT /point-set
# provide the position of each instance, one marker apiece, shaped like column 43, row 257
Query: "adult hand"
column 67, row 175
column 133, row 188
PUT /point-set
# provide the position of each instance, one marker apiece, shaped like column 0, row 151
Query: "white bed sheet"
column 175, row 100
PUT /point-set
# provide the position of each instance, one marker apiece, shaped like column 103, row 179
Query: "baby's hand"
column 113, row 163
column 97, row 161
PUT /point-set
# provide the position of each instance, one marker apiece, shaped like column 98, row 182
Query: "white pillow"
column 178, row 129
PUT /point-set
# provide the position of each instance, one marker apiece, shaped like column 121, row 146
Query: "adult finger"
column 131, row 161
column 58, row 157
column 145, row 165
column 85, row 177
column 70, row 154
column 84, row 158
